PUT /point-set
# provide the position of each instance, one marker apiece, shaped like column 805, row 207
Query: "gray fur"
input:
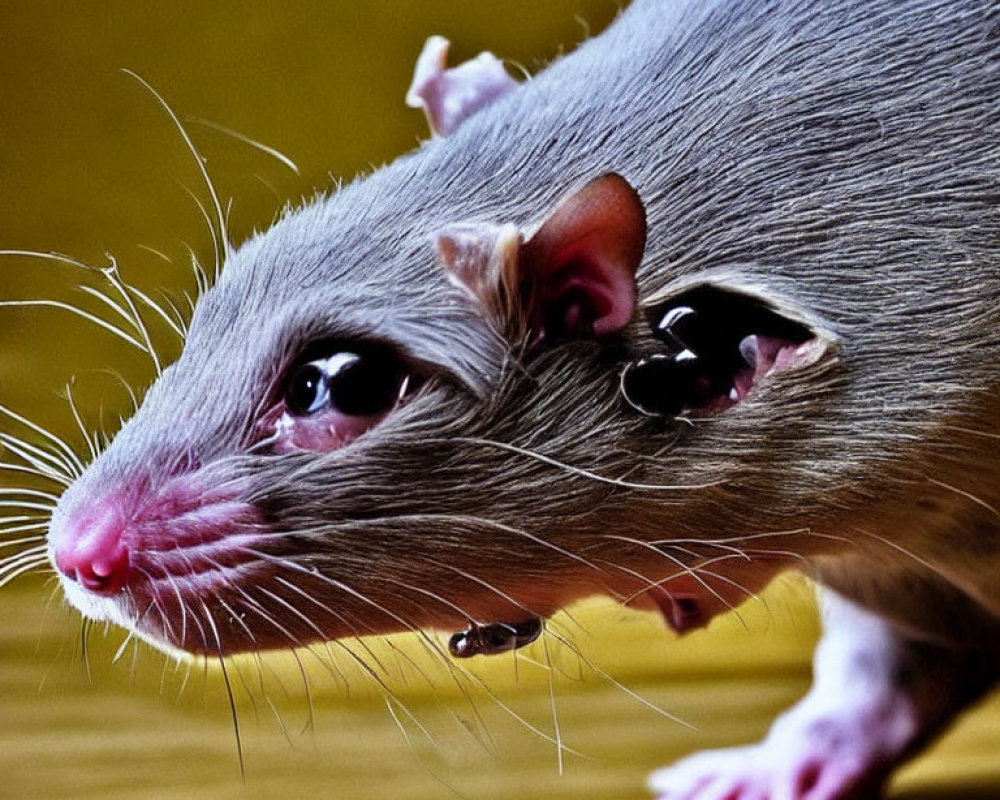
column 840, row 158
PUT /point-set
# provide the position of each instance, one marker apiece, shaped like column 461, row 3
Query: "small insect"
column 496, row 637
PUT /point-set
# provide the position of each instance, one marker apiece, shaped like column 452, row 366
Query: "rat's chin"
column 115, row 611
column 94, row 607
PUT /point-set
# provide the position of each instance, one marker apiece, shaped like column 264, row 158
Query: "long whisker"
column 133, row 398
column 24, row 539
column 229, row 690
column 552, row 701
column 59, row 258
column 202, row 280
column 92, row 445
column 114, row 278
column 310, row 724
column 428, row 642
column 220, row 217
column 433, row 596
column 455, row 519
column 79, row 312
column 580, row 471
column 40, row 519
column 43, row 460
column 37, row 549
column 176, row 325
column 21, row 563
column 248, row 692
column 794, row 532
column 69, row 457
column 407, row 626
column 387, row 692
column 905, row 551
column 619, row 685
column 685, row 570
column 291, row 586
column 108, row 301
column 25, row 504
column 967, row 495
column 29, row 493
column 34, row 472
column 274, row 153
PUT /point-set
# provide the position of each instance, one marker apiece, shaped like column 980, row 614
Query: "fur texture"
column 837, row 158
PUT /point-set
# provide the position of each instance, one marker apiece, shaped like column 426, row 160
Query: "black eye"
column 307, row 392
column 365, row 385
column 350, row 383
column 716, row 344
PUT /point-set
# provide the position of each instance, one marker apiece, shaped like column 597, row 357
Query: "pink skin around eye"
column 317, row 433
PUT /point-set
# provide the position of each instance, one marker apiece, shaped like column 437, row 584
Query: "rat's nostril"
column 107, row 575
column 90, row 551
column 100, row 572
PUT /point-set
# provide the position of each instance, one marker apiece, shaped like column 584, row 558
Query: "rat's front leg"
column 876, row 698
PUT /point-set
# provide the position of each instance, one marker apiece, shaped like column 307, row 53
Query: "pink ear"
column 573, row 278
column 577, row 272
column 450, row 96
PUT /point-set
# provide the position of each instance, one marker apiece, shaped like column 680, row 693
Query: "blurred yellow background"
column 91, row 166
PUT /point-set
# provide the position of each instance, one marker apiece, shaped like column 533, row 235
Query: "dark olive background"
column 91, row 165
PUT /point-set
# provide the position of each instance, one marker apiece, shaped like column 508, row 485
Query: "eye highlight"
column 307, row 391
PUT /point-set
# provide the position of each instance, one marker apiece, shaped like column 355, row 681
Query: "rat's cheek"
column 318, row 433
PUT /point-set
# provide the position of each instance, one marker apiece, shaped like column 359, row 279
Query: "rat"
column 710, row 298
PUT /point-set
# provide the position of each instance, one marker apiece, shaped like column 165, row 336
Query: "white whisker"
column 92, row 446
column 15, row 567
column 40, row 527
column 40, row 459
column 108, row 301
column 580, row 471
column 29, row 493
column 34, row 472
column 69, row 457
column 157, row 309
column 79, row 312
column 552, row 700
column 123, row 647
column 223, row 253
column 113, row 277
column 619, row 685
column 59, row 258
column 25, row 504
column 276, row 154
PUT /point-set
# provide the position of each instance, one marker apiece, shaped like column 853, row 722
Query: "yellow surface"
column 146, row 728
column 90, row 164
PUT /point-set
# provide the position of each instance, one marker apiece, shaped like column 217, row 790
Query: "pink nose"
column 88, row 549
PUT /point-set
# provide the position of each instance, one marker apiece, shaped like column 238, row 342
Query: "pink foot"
column 877, row 697
column 807, row 770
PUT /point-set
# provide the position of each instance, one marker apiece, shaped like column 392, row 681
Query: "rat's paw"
column 804, row 771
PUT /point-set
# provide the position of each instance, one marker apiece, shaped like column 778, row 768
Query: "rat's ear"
column 450, row 96
column 574, row 277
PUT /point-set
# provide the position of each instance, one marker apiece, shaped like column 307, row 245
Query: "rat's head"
column 335, row 451
column 370, row 430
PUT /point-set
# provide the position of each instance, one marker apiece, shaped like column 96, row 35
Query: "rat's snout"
column 89, row 549
column 167, row 560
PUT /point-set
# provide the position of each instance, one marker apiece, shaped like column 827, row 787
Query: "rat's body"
column 838, row 163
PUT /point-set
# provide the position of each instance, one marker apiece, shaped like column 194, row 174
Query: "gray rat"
column 406, row 404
